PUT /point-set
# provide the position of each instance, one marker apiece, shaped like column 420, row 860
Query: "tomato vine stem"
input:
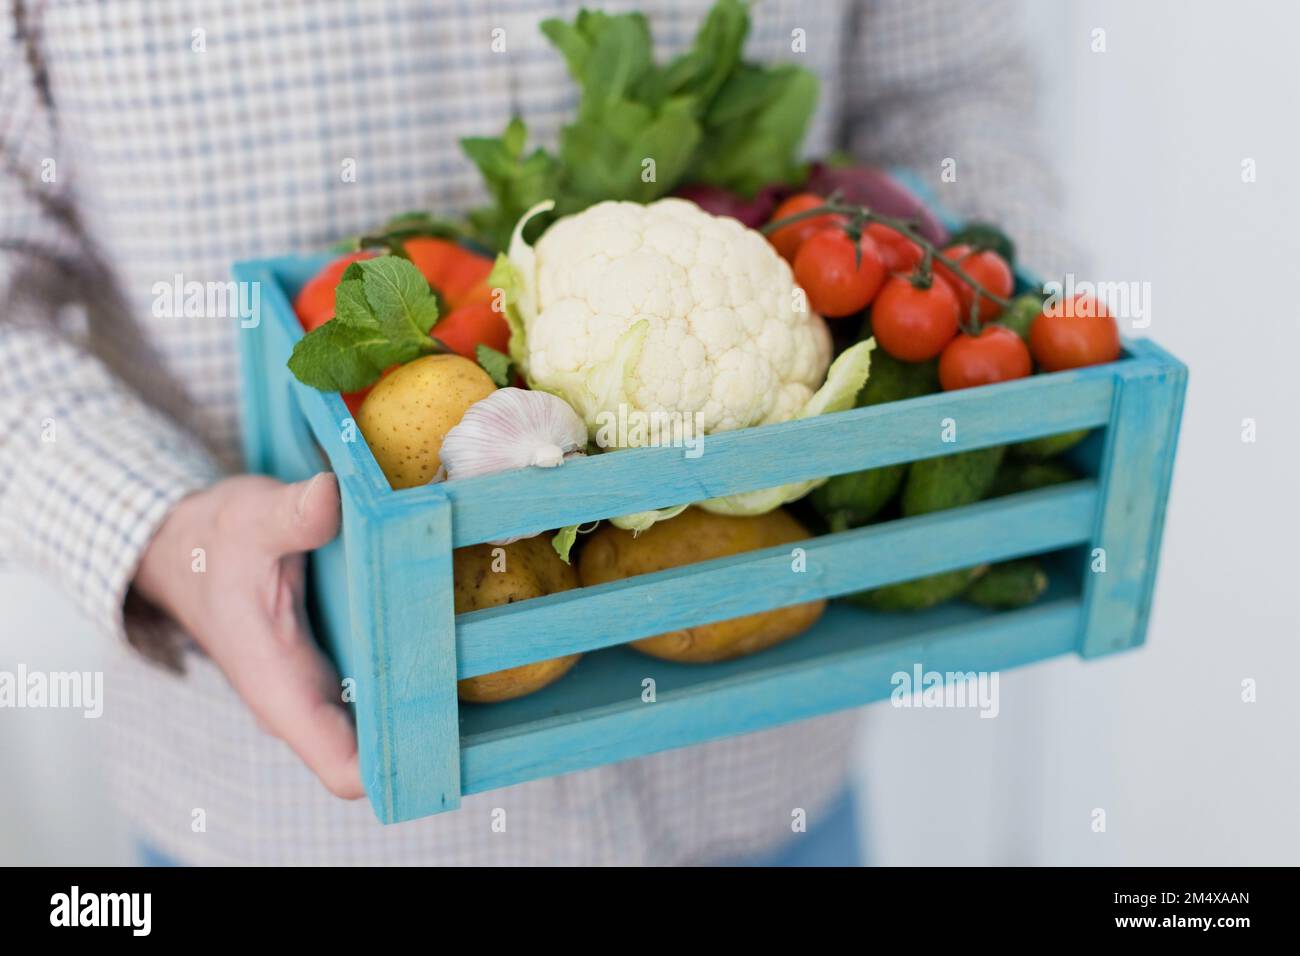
column 858, row 216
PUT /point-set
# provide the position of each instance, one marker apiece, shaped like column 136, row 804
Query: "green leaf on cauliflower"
column 847, row 375
column 845, row 379
column 603, row 387
column 505, row 276
column 639, row 521
column 563, row 540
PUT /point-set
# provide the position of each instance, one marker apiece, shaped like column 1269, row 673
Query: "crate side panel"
column 1138, row 467
column 328, row 606
column 362, row 660
column 531, row 500
column 276, row 439
column 254, row 377
column 408, row 625
column 614, row 613
column 328, row 421
column 850, row 659
column 597, row 682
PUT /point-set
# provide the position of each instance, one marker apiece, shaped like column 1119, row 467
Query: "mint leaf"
column 350, row 304
column 337, row 357
column 383, row 310
column 399, row 297
column 494, row 363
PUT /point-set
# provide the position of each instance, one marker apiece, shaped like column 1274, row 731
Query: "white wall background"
column 1150, row 135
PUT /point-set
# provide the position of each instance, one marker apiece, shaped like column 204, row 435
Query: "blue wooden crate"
column 382, row 603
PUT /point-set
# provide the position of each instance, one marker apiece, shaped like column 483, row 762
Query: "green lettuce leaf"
column 755, row 127
column 703, row 117
column 563, row 540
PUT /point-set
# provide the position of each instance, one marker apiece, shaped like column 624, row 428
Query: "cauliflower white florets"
column 701, row 313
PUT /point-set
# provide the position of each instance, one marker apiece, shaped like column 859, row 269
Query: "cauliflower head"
column 664, row 308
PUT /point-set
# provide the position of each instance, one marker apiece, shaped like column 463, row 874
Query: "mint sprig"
column 496, row 364
column 383, row 311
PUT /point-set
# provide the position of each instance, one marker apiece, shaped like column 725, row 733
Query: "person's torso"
column 206, row 131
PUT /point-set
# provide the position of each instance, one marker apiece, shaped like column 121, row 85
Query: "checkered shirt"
column 141, row 140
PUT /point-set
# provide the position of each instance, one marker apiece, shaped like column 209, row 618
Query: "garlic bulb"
column 512, row 428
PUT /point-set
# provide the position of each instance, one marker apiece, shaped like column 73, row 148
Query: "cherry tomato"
column 839, row 277
column 788, row 239
column 464, row 327
column 995, row 355
column 912, row 324
column 900, row 253
column 457, row 273
column 988, row 269
column 1074, row 333
column 314, row 305
column 353, row 400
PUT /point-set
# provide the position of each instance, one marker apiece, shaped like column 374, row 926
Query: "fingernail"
column 306, row 493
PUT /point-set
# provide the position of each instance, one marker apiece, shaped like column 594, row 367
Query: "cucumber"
column 984, row 235
column 936, row 484
column 919, row 593
column 1020, row 316
column 1015, row 476
column 847, row 501
column 1008, row 585
column 892, row 380
column 933, row 485
column 1037, row 449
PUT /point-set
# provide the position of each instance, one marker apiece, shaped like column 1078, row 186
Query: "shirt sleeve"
column 950, row 81
column 88, row 470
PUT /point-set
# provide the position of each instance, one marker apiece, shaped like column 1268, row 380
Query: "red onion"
column 867, row 186
column 723, row 202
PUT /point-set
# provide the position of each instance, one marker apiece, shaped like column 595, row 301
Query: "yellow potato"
column 531, row 569
column 610, row 554
column 406, row 416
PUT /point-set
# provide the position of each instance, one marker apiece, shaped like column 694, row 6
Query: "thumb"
column 305, row 514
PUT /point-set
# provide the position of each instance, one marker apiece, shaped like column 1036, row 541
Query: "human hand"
column 245, row 609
